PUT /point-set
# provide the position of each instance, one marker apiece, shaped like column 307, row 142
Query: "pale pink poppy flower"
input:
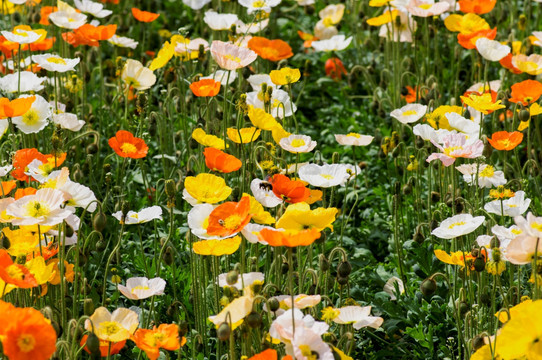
column 456, row 146
column 231, row 57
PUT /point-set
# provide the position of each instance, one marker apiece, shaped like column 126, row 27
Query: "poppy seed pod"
column 428, row 287
column 99, row 221
column 93, row 344
column 232, row 277
column 342, row 280
column 407, row 189
column 335, row 158
column 524, row 115
column 463, row 308
column 273, row 304
column 418, row 237
column 344, row 269
column 254, row 320
column 285, row 267
column 223, row 332
column 435, row 197
column 479, row 264
column 477, row 342
column 494, row 243
column 183, row 328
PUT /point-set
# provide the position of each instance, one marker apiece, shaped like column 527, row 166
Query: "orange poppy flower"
column 335, row 69
column 19, row 193
column 104, row 346
column 205, row 88
column 506, row 62
column 290, row 191
column 165, row 336
column 45, row 11
column 28, row 335
column 144, row 16
column 218, row 160
column 127, row 145
column 15, row 274
column 41, row 45
column 476, row 6
column 89, row 35
column 504, row 140
column 23, row 157
column 289, row 238
column 307, row 38
column 468, row 41
column 269, row 354
column 274, row 50
column 229, row 218
column 16, row 107
column 6, row 187
column 526, row 92
column 8, row 47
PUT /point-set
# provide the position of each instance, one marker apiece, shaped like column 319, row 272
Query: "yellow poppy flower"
column 261, row 119
column 465, row 24
column 385, row 18
column 217, row 247
column 259, row 215
column 164, row 55
column 21, row 241
column 285, row 76
column 300, row 217
column 378, row 3
column 41, row 271
column 234, row 312
column 243, row 135
column 437, row 120
column 208, row 140
column 278, row 133
column 483, row 103
column 207, row 188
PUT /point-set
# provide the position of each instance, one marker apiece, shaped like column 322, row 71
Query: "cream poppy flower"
column 402, row 31
column 56, row 63
column 257, row 80
column 93, row 8
column 36, row 118
column 389, row 287
column 303, row 301
column 297, row 144
column 223, row 77
column 323, row 31
column 42, row 208
column 114, row 327
column 78, row 196
column 354, row 139
column 531, row 64
column 281, row 104
column 522, row 249
column 251, row 28
column 491, row 50
column 263, row 192
column 359, row 316
column 136, row 75
column 335, row 43
column 487, row 176
column 68, row 19
column 21, row 36
column 513, row 206
column 259, row 5
column 251, row 231
column 243, row 281
column 481, row 88
column 537, row 38
column 332, row 14
column 426, row 8
column 68, row 121
column 308, row 345
column 138, row 288
column 218, row 21
column 122, row 41
column 462, row 125
column 409, row 113
column 237, row 310
column 458, row 225
column 231, row 57
column 324, row 176
column 530, row 226
column 506, row 234
column 196, row 4
column 29, row 82
column 140, row 217
column 282, row 328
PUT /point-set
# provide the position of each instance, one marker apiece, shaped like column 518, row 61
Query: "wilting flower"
column 207, row 188
column 290, row 191
column 409, row 113
column 218, row 160
column 127, row 145
column 336, row 43
column 138, row 288
column 458, row 225
column 456, row 146
column 114, row 327
column 273, row 50
column 140, row 217
column 288, row 238
column 42, row 208
column 231, row 57
column 144, row 16
column 354, row 139
column 297, row 143
column 165, row 336
column 513, row 206
column 390, row 287
column 504, row 140
column 285, row 76
column 136, row 75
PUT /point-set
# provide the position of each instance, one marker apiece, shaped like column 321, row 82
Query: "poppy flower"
column 104, row 346
column 15, row 274
column 506, row 62
column 504, row 140
column 144, row 16
column 307, row 38
column 117, row 326
column 89, row 35
column 127, row 145
column 476, row 6
column 291, row 191
column 28, row 335
column 531, row 64
column 243, row 135
column 207, row 188
column 19, row 193
column 273, row 50
column 526, row 92
column 299, row 217
column 231, row 57
column 6, row 187
column 468, row 41
column 205, row 88
column 285, row 76
column 17, row 107
column 207, row 139
column 45, row 11
column 289, row 238
column 165, row 336
column 217, row 247
column 229, row 218
column 218, row 160
column 334, row 68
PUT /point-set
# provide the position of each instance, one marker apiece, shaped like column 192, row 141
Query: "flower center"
column 297, row 143
column 232, row 222
column 35, row 209
column 353, row 135
column 109, row 328
column 128, row 148
column 327, row 21
column 327, row 176
column 459, row 223
column 537, row 226
column 308, row 353
column 233, row 58
column 452, row 149
column 31, row 117
column 516, row 231
column 410, row 112
column 487, row 172
column 505, row 143
column 21, row 33
column 26, row 342
column 15, row 272
column 425, row 6
column 258, row 4
column 140, row 287
column 56, row 60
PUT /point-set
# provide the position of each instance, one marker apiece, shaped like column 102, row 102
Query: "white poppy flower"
column 308, row 345
column 325, row 31
column 138, row 288
column 140, row 217
column 264, row 194
column 389, row 287
column 29, row 82
column 458, row 225
column 491, row 50
column 36, row 118
column 41, row 172
column 487, row 176
column 243, row 280
column 93, row 8
column 335, row 43
column 4, row 170
column 196, row 4
column 56, row 63
column 257, row 80
column 409, row 113
column 297, row 143
column 138, row 76
column 402, row 31
column 21, row 36
column 463, row 125
column 281, row 105
column 531, row 225
column 354, row 139
column 198, row 220
column 68, row 19
column 481, row 88
column 79, row 196
column 222, row 77
column 513, row 206
column 68, row 121
column 359, row 316
column 251, row 28
column 538, row 38
column 259, row 5
column 325, row 176
column 426, row 8
column 504, row 233
column 251, row 231
column 42, row 208
column 122, row 41
column 218, row 21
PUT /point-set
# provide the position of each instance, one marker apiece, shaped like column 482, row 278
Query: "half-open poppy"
column 144, row 16
column 274, row 50
column 291, row 191
column 205, row 88
column 289, row 238
column 526, row 92
column 218, row 160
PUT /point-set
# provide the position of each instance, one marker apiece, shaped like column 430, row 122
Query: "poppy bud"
column 273, row 304
column 459, row 207
column 479, row 264
column 324, row 263
column 4, row 242
column 100, row 245
column 168, row 256
column 93, row 344
column 428, row 287
column 88, row 307
column 488, row 150
column 335, row 68
column 344, row 269
column 435, row 197
column 285, row 267
column 254, row 320
column 335, row 158
column 232, row 277
column 407, row 189
column 223, row 331
column 342, row 280
column 99, row 221
column 524, row 115
column 463, row 308
column 418, row 237
column 478, row 342
column 494, row 243
column 183, row 328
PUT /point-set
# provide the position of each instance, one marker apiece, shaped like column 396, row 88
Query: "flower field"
column 271, row 179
